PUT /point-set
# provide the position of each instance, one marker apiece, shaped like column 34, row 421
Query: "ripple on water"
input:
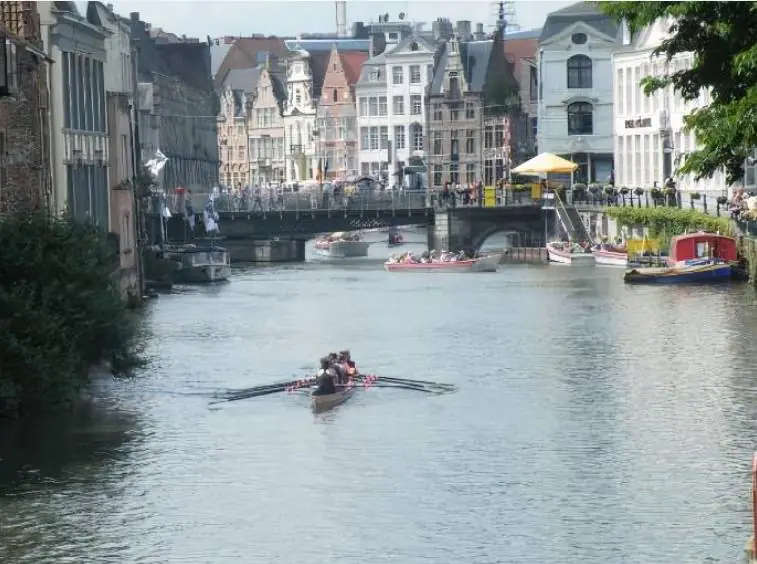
column 593, row 423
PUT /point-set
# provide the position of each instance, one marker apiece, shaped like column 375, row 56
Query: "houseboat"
column 694, row 258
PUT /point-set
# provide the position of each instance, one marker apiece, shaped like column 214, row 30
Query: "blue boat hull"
column 698, row 274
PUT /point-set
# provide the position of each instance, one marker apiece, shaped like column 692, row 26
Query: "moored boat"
column 610, row 255
column 569, row 253
column 324, row 402
column 444, row 263
column 694, row 258
column 198, row 265
column 342, row 245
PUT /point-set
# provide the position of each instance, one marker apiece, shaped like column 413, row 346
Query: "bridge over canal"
column 276, row 230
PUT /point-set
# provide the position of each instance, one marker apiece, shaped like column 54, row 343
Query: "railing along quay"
column 713, row 204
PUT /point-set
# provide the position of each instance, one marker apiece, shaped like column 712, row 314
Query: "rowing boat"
column 328, row 401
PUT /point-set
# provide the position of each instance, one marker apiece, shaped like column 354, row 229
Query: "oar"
column 405, row 387
column 245, row 392
column 417, row 382
column 273, row 389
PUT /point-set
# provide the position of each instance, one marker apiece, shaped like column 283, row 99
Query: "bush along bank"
column 666, row 222
column 61, row 313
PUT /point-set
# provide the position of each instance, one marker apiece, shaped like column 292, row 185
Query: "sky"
column 220, row 18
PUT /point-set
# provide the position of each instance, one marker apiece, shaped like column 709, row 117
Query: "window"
column 384, row 137
column 374, row 138
column 488, row 137
column 298, row 98
column 364, row 139
column 335, row 95
column 429, row 73
column 470, row 111
column 240, row 153
column 417, row 137
column 470, row 172
column 397, row 75
column 382, row 105
column 363, row 107
column 438, row 112
column 470, row 141
column 372, row 107
column 454, row 144
column 399, row 137
column 454, row 173
column 415, row 74
column 436, row 143
column 437, row 174
column 579, row 72
column 454, row 87
column 578, row 38
column 415, row 105
column 398, row 105
column 580, row 119
column 364, row 170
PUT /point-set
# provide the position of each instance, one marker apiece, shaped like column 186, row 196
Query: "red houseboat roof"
column 703, row 245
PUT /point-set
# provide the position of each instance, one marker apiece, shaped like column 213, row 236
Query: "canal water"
column 594, row 423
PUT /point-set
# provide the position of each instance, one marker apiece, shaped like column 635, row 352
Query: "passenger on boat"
column 325, row 378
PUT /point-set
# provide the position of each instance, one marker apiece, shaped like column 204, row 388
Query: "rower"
column 348, row 363
column 325, row 379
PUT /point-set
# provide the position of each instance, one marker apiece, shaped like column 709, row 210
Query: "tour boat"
column 197, row 265
column 321, row 403
column 569, row 253
column 342, row 245
column 695, row 257
column 610, row 255
column 489, row 263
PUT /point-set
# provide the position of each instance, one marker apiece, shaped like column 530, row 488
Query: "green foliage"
column 668, row 221
column 60, row 312
column 720, row 35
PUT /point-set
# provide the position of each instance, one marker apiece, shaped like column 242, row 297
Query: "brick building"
column 24, row 126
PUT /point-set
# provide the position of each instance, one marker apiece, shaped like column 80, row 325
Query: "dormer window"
column 392, row 36
column 578, row 38
column 335, row 95
column 453, row 47
column 413, row 46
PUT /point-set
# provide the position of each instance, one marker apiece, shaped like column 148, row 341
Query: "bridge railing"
column 304, row 201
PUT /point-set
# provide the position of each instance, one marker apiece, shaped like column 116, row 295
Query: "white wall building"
column 575, row 110
column 391, row 105
column 649, row 135
column 299, row 119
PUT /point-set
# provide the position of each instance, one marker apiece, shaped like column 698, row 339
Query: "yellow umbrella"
column 545, row 163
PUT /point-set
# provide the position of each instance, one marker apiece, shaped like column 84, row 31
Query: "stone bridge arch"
column 516, row 237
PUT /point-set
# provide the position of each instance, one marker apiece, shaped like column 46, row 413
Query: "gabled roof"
column 245, row 80
column 475, row 58
column 405, row 43
column 373, row 67
column 518, row 51
column 246, row 52
column 352, row 62
column 586, row 12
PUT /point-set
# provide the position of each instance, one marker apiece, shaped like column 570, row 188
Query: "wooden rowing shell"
column 329, row 401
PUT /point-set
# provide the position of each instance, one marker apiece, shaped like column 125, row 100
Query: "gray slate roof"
column 475, row 59
column 586, row 12
column 245, row 80
column 319, row 45
column 377, row 63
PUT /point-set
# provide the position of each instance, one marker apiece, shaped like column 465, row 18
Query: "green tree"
column 60, row 311
column 721, row 38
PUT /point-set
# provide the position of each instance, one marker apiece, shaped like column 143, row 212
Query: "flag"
column 210, row 216
column 156, row 164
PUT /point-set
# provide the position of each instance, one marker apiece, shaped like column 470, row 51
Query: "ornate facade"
column 233, row 156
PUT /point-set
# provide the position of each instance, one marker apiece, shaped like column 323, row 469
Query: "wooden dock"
column 525, row 255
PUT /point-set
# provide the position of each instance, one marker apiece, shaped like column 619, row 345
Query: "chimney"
column 134, row 16
column 480, row 34
column 110, row 7
column 463, row 30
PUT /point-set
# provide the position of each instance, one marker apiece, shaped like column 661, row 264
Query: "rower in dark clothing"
column 325, row 378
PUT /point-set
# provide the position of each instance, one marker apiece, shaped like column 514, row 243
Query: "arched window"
column 580, row 119
column 579, row 72
column 335, row 95
column 454, row 87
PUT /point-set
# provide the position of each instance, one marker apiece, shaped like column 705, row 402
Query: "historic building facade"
column 650, row 137
column 24, row 117
column 266, row 132
column 336, row 117
column 575, row 76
